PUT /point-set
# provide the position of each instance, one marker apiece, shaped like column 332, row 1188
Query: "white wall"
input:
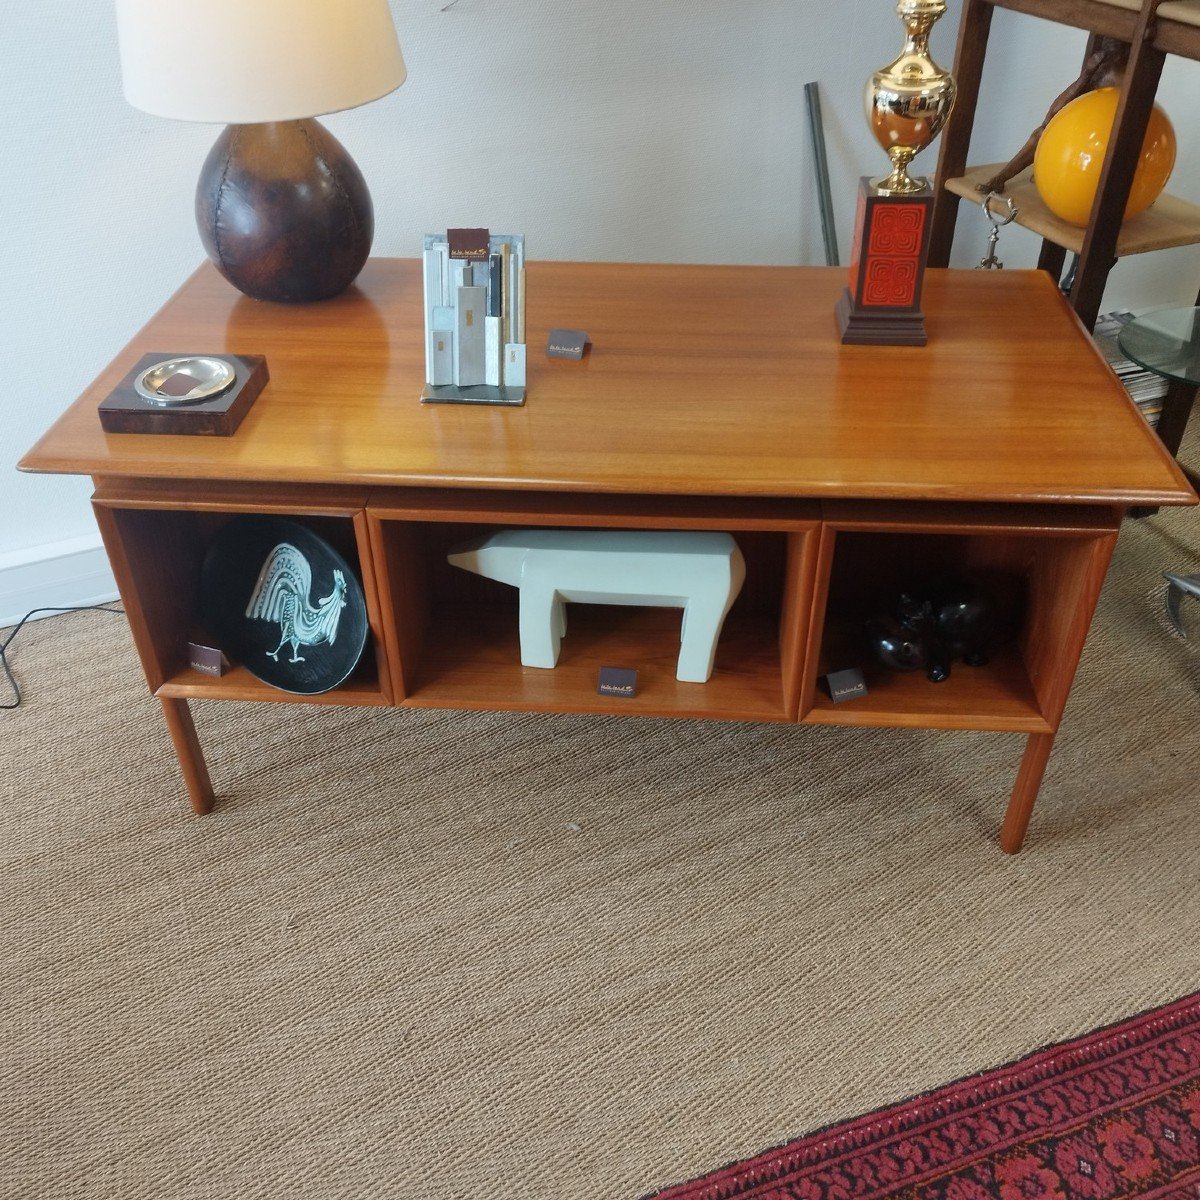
column 602, row 129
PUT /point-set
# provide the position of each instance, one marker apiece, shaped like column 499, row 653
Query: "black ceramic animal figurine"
column 929, row 629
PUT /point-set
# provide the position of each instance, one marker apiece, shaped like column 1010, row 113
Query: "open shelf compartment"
column 158, row 553
column 1042, row 581
column 455, row 635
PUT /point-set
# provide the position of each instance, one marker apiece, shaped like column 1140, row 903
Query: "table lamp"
column 283, row 210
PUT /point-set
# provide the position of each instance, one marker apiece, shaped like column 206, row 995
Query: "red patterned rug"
column 1112, row 1115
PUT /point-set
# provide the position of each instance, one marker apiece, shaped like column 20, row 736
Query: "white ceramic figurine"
column 701, row 573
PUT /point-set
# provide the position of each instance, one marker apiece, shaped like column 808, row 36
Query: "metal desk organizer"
column 474, row 318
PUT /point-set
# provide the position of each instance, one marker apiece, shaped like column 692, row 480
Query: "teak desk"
column 714, row 398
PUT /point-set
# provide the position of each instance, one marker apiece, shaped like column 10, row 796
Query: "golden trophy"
column 908, row 103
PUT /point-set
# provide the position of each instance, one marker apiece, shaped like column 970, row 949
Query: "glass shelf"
column 1166, row 342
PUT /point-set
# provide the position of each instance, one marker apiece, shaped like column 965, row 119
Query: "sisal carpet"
column 434, row 954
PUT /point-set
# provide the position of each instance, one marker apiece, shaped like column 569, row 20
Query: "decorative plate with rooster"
column 284, row 603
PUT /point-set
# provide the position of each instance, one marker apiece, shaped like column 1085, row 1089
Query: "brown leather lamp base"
column 284, row 212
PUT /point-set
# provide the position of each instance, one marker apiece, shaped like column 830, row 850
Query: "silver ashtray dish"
column 179, row 381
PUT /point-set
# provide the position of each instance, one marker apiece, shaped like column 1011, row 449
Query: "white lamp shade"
column 244, row 61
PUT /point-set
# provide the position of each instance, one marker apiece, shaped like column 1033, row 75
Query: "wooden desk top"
column 702, row 380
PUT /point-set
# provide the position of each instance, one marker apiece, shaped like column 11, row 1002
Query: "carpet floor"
column 436, row 954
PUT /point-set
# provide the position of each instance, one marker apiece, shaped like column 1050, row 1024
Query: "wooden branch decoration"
column 1102, row 68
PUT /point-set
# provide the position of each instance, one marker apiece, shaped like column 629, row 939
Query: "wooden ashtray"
column 125, row 410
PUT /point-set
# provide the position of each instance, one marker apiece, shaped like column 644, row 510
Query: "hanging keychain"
column 997, row 223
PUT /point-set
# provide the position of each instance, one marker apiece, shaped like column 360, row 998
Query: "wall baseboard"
column 66, row 573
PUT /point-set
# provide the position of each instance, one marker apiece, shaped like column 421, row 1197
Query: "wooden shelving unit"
column 444, row 638
column 1153, row 29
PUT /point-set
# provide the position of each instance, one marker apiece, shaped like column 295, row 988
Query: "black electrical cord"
column 4, row 645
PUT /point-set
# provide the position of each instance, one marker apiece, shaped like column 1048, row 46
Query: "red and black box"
column 882, row 305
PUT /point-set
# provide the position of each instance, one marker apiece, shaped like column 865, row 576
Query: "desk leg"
column 1025, row 791
column 187, row 749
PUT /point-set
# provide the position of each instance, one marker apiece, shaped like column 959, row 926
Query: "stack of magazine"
column 1145, row 388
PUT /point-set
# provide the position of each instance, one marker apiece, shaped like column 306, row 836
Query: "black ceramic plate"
column 283, row 603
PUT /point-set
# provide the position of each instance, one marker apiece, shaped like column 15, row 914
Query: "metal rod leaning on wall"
column 816, row 128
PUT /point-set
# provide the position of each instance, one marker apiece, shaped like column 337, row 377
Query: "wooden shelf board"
column 472, row 659
column 1177, row 28
column 1185, row 12
column 1097, row 16
column 362, row 688
column 1169, row 222
column 997, row 697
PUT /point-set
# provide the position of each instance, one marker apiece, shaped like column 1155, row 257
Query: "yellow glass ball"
column 1070, row 156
